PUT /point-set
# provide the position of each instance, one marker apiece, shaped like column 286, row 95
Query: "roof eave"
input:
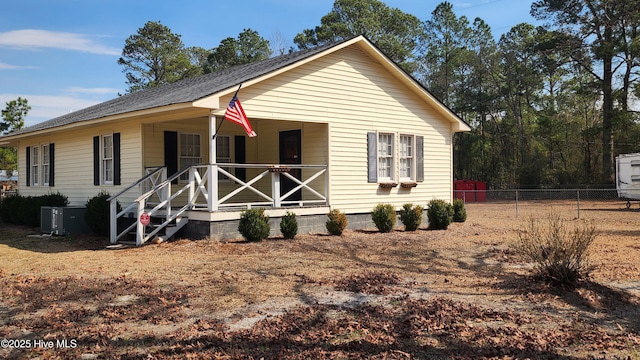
column 12, row 140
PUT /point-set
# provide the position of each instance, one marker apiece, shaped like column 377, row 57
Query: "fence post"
column 516, row 203
column 578, row 196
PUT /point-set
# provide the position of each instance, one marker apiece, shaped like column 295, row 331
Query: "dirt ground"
column 461, row 293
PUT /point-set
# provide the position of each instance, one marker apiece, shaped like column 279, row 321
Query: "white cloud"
column 37, row 39
column 5, row 66
column 46, row 107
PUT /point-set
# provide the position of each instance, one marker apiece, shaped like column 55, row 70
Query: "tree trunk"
column 607, row 109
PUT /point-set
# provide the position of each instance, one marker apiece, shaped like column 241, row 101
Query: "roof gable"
column 196, row 90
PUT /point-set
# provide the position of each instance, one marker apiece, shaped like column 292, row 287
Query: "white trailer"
column 628, row 177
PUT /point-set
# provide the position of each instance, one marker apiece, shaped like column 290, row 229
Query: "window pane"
column 107, row 159
column 223, row 153
column 35, row 161
column 107, row 147
column 108, row 170
column 45, row 154
column 223, row 150
column 189, row 152
column 406, row 156
column 385, row 156
column 34, row 155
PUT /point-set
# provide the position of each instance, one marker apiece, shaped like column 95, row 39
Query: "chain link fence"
column 522, row 202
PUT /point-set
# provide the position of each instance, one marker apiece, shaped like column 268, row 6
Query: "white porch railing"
column 214, row 187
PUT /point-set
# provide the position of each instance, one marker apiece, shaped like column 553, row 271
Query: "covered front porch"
column 283, row 169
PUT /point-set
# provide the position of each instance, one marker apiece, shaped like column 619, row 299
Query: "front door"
column 291, row 153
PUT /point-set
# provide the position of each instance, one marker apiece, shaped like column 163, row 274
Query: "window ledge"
column 388, row 184
column 408, row 184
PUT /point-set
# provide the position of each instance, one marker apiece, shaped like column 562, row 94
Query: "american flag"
column 235, row 113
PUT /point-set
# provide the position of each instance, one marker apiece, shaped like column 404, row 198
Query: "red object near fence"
column 470, row 190
column 481, row 191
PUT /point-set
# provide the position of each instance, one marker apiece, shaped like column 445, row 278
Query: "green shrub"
column 54, row 199
column 459, row 211
column 440, row 214
column 411, row 216
column 29, row 212
column 9, row 208
column 384, row 217
column 289, row 225
column 254, row 225
column 336, row 222
column 559, row 253
column 25, row 210
column 98, row 213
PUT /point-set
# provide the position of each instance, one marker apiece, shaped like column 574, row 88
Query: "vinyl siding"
column 355, row 95
column 74, row 162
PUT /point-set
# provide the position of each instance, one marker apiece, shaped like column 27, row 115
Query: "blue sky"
column 61, row 55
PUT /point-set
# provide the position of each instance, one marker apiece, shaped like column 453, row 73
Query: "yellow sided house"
column 339, row 126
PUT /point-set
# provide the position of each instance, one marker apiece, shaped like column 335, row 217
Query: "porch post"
column 212, row 137
column 113, row 221
column 141, row 229
column 212, row 177
column 275, row 189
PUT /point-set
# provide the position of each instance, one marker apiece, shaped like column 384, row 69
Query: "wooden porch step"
column 171, row 230
column 163, row 235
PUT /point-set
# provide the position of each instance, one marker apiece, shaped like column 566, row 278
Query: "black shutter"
column 171, row 153
column 28, row 158
column 372, row 157
column 96, row 160
column 116, row 160
column 239, row 144
column 51, row 164
column 419, row 158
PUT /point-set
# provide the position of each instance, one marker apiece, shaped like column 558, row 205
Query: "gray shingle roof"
column 183, row 91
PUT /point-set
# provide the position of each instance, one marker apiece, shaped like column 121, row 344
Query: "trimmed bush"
column 559, row 252
column 289, row 225
column 384, row 217
column 25, row 210
column 254, row 225
column 440, row 214
column 336, row 222
column 54, row 199
column 9, row 207
column 459, row 211
column 98, row 213
column 411, row 216
column 29, row 213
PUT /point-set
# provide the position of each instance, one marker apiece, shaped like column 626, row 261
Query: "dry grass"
column 458, row 293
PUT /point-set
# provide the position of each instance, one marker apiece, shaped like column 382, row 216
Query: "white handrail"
column 199, row 184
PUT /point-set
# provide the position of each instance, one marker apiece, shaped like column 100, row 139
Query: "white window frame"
column 223, row 146
column 407, row 157
column 107, row 170
column 189, row 154
column 35, row 165
column 386, row 156
column 45, row 164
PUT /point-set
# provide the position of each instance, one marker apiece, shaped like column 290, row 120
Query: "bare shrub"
column 336, row 222
column 560, row 252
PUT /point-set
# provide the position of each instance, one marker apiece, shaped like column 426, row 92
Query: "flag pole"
column 221, row 121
